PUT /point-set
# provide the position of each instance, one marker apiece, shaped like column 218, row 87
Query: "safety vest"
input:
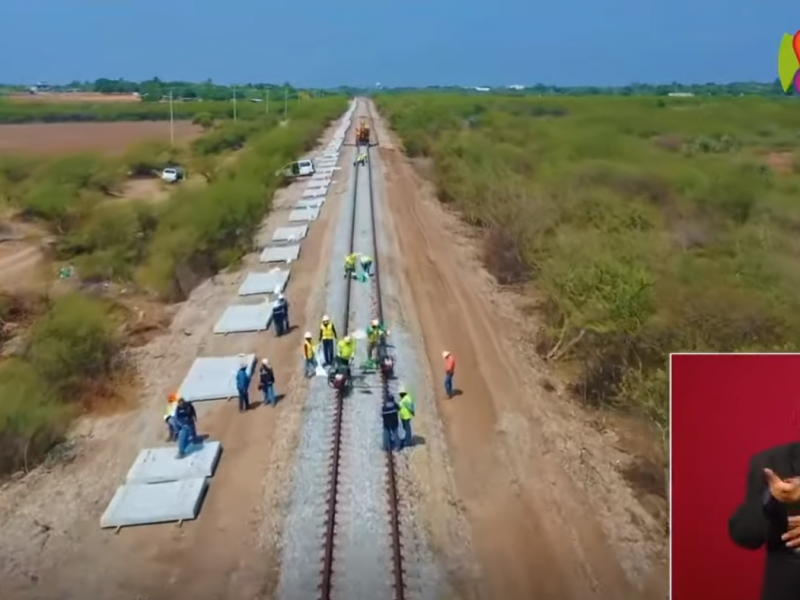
column 170, row 410
column 346, row 350
column 374, row 333
column 308, row 350
column 350, row 261
column 406, row 407
column 328, row 331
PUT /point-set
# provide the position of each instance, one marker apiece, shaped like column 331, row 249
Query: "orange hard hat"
column 173, row 397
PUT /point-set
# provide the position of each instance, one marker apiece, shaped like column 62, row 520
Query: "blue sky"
column 328, row 43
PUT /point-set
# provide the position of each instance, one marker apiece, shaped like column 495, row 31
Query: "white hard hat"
column 265, row 361
column 308, row 335
column 347, row 338
column 326, row 318
column 280, row 297
column 445, row 354
column 375, row 322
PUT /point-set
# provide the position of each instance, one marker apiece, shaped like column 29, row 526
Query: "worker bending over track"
column 366, row 265
column 350, row 265
column 361, row 159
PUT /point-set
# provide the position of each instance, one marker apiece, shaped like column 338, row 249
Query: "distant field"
column 73, row 97
column 108, row 138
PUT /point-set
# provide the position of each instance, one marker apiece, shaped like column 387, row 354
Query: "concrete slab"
column 303, row 215
column 144, row 503
column 290, row 234
column 320, row 183
column 310, row 203
column 272, row 282
column 244, row 317
column 315, row 192
column 214, row 377
column 285, row 254
column 160, row 465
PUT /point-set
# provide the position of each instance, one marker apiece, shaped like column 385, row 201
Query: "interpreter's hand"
column 786, row 491
column 792, row 535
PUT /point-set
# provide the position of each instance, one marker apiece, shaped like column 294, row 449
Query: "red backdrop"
column 725, row 408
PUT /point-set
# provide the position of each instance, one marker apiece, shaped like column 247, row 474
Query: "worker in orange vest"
column 173, row 430
column 449, row 372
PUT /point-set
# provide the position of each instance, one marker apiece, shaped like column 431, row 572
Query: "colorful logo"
column 789, row 62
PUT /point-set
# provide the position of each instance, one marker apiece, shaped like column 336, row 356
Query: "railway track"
column 350, row 414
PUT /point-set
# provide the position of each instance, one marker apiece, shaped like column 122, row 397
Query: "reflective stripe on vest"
column 327, row 331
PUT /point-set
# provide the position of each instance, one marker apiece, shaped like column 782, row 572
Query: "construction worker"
column 186, row 418
column 366, row 265
column 310, row 360
column 347, row 348
column 327, row 335
column 389, row 415
column 243, row 385
column 406, row 414
column 266, row 382
column 375, row 333
column 449, row 372
column 173, row 430
column 362, row 158
column 280, row 315
column 349, row 265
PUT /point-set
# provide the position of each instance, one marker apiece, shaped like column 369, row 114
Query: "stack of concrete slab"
column 162, row 488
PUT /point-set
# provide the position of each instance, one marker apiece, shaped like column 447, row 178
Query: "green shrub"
column 31, row 417
column 150, row 157
column 649, row 227
column 74, row 343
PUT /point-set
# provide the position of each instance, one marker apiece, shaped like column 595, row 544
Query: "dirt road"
column 51, row 545
column 548, row 514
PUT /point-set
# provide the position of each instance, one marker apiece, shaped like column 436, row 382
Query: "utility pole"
column 234, row 104
column 285, row 103
column 266, row 103
column 171, row 121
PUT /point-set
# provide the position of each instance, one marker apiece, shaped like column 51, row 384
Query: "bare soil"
column 108, row 138
column 540, row 484
column 90, row 97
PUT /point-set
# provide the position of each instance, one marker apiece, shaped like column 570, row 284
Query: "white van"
column 300, row 168
column 173, row 174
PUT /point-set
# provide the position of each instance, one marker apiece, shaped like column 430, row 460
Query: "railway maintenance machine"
column 362, row 133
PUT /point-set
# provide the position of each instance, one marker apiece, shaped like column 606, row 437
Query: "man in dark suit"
column 770, row 515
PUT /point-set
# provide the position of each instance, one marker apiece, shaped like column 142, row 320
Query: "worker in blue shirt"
column 243, row 386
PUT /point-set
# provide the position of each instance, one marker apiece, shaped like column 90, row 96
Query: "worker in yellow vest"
column 308, row 355
column 327, row 335
column 406, row 414
column 347, row 348
column 169, row 417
